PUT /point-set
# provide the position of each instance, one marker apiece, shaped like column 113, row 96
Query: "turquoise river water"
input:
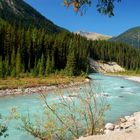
column 123, row 96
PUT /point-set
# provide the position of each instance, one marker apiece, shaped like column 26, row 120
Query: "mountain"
column 93, row 35
column 20, row 13
column 131, row 37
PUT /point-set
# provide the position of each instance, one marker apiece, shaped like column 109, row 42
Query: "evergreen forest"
column 34, row 52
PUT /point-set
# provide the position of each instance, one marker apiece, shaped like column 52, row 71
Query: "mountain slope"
column 20, row 13
column 93, row 35
column 131, row 37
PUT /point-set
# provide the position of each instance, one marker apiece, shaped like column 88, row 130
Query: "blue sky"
column 127, row 15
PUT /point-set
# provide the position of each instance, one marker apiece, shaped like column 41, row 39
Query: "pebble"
column 123, row 120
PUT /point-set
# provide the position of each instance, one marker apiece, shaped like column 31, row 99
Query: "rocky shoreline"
column 128, row 123
column 39, row 89
column 127, row 128
column 125, row 124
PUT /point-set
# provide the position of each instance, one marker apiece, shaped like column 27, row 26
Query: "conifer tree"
column 48, row 66
column 18, row 63
column 42, row 66
column 29, row 65
column 6, row 67
column 52, row 65
column 35, row 69
column 1, row 68
column 13, row 58
column 71, row 62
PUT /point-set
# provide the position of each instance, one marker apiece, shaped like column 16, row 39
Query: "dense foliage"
column 34, row 52
column 125, row 55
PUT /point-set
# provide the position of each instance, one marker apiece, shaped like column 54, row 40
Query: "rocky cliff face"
column 103, row 67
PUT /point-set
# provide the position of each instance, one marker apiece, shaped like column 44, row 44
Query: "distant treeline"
column 125, row 55
column 32, row 51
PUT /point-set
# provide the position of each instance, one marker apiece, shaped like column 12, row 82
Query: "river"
column 123, row 96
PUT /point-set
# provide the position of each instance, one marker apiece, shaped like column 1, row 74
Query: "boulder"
column 126, row 125
column 123, row 120
column 87, row 80
column 109, row 126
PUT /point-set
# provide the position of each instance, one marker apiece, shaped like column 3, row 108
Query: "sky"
column 127, row 15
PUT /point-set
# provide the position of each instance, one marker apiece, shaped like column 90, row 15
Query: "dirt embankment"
column 105, row 67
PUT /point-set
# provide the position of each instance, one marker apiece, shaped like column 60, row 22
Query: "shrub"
column 77, row 112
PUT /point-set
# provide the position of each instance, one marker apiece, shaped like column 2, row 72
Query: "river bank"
column 30, row 81
column 133, row 78
column 119, row 98
column 127, row 128
column 41, row 89
column 128, row 77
